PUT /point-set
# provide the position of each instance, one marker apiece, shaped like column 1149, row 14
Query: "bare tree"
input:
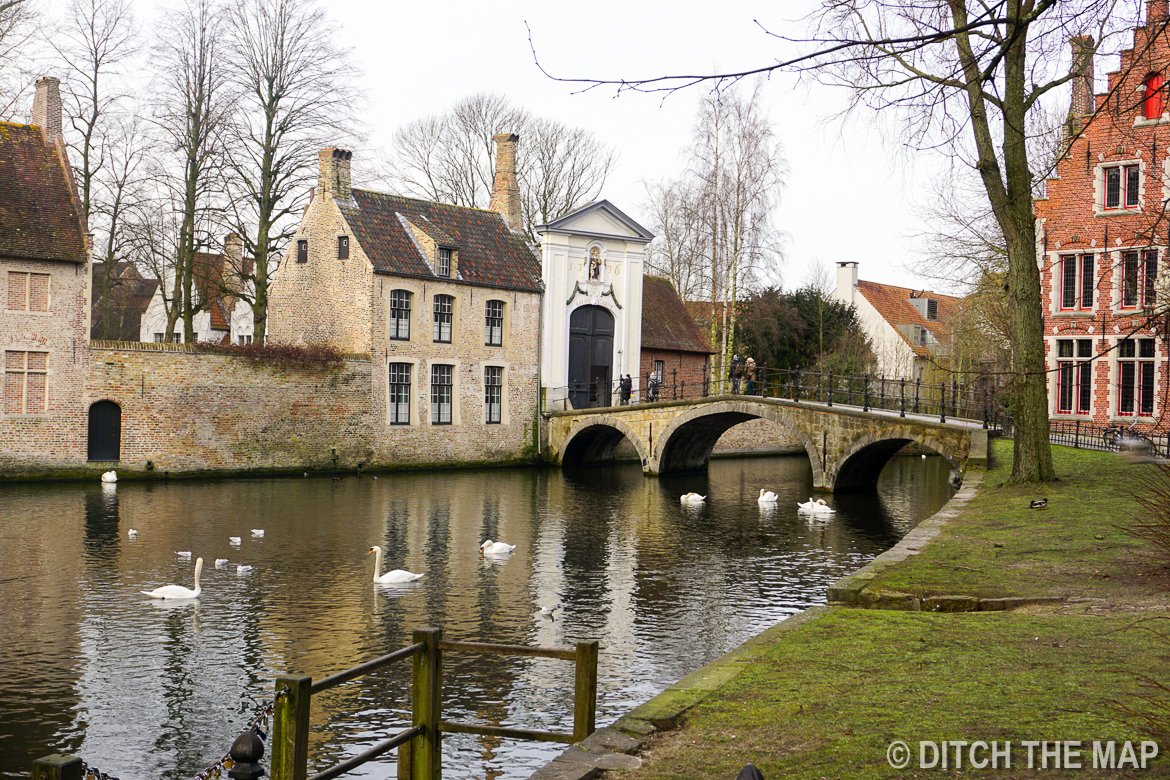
column 17, row 41
column 295, row 95
column 192, row 111
column 678, row 250
column 450, row 158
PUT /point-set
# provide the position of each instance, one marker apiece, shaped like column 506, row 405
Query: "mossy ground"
column 826, row 700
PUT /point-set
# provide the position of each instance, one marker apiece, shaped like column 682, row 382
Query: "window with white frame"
column 444, row 309
column 245, row 339
column 442, row 392
column 26, row 378
column 1074, row 376
column 399, row 320
column 1122, row 186
column 399, row 405
column 1135, row 377
column 493, row 393
column 28, row 291
column 494, row 324
column 1078, row 281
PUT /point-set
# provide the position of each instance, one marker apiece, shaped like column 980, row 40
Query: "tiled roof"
column 666, row 323
column 489, row 253
column 893, row 303
column 38, row 215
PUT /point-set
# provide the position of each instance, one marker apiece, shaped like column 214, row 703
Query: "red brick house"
column 1102, row 233
column 672, row 342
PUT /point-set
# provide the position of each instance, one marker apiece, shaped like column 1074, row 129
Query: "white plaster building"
column 592, row 262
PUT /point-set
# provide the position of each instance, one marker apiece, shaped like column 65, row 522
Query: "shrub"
column 1153, row 495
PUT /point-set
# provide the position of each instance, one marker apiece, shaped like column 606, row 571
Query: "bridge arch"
column 596, row 439
column 686, row 444
column 862, row 460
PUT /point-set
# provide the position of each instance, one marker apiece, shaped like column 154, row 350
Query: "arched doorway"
column 590, row 356
column 105, row 431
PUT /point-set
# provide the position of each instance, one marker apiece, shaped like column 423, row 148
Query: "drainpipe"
column 540, row 377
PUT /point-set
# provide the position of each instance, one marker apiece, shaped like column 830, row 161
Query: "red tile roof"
column 489, row 253
column 39, row 218
column 666, row 323
column 893, row 303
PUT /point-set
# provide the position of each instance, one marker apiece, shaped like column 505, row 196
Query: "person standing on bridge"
column 734, row 373
column 625, row 387
column 750, row 376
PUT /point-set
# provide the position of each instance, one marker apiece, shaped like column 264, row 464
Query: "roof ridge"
column 422, row 200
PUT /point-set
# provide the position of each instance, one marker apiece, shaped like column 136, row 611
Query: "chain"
column 258, row 726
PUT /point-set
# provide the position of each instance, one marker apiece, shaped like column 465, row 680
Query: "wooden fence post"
column 290, row 728
column 57, row 767
column 585, row 691
column 425, row 754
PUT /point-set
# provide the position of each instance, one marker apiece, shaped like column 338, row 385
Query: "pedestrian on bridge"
column 625, row 387
column 750, row 376
column 734, row 373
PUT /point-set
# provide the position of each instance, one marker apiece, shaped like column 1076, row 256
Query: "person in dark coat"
column 734, row 373
column 625, row 387
column 750, row 376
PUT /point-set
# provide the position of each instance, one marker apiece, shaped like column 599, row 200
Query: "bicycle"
column 1125, row 437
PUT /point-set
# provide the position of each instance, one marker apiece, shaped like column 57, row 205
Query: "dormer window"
column 1152, row 97
column 932, row 309
column 303, row 250
column 444, row 261
column 343, row 247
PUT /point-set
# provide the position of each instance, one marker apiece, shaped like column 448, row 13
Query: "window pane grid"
column 495, row 324
column 1135, row 377
column 1112, row 188
column 399, row 394
column 1088, row 282
column 444, row 262
column 399, row 325
column 1149, row 277
column 1129, row 291
column 26, row 382
column 444, row 305
column 1131, row 186
column 493, row 382
column 441, row 394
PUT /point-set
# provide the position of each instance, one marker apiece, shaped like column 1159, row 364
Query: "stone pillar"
column 46, row 113
column 506, row 189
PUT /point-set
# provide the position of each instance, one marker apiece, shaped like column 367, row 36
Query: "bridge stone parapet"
column 846, row 445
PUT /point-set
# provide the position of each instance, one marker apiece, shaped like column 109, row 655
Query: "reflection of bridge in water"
column 847, row 445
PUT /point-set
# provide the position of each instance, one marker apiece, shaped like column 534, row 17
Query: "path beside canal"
column 992, row 621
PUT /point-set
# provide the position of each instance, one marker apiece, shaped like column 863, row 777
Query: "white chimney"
column 847, row 281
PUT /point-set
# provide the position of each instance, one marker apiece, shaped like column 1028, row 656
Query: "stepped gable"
column 38, row 218
column 666, row 324
column 489, row 253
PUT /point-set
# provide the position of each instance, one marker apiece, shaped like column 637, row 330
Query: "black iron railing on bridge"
column 950, row 399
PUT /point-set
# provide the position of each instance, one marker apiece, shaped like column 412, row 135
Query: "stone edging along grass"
column 614, row 747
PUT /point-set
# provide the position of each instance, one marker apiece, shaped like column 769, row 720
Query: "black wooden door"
column 105, row 431
column 590, row 356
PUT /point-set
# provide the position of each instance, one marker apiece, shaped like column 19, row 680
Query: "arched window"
column 1152, row 99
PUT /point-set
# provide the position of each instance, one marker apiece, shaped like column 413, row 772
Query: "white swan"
column 220, row 563
column 257, row 533
column 178, row 591
column 394, row 577
column 132, row 533
column 234, row 540
column 768, row 497
column 183, row 553
column 110, row 476
column 242, row 568
column 816, row 507
column 548, row 612
column 692, row 498
column 495, row 548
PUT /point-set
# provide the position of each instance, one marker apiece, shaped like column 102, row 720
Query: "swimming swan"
column 395, row 577
column 692, row 498
column 495, row 548
column 257, row 533
column 110, row 476
column 816, row 506
column 768, row 497
column 178, row 591
column 234, row 541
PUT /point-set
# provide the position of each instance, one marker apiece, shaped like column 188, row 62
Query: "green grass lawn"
column 827, row 699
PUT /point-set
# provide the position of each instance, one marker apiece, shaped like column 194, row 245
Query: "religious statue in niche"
column 595, row 264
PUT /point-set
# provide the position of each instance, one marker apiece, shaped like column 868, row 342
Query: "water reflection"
column 146, row 688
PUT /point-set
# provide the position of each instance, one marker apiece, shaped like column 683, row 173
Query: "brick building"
column 445, row 299
column 1102, row 234
column 45, row 270
column 672, row 343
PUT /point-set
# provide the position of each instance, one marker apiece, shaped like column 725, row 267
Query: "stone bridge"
column 847, row 447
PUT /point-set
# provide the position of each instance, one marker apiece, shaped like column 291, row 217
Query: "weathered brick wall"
column 54, row 433
column 756, row 435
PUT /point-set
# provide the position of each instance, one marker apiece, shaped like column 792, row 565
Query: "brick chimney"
column 333, row 176
column 1156, row 11
column 46, row 112
column 506, row 189
column 1083, row 100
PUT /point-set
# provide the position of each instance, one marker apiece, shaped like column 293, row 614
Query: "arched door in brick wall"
column 105, row 431
column 590, row 356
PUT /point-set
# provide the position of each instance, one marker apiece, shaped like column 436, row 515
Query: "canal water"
column 143, row 689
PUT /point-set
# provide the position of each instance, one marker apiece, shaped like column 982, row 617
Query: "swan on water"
column 548, row 611
column 242, row 568
column 692, row 498
column 393, row 577
column 220, row 563
column 768, row 497
column 178, row 591
column 257, row 533
column 816, row 506
column 183, row 553
column 234, row 540
column 495, row 548
column 110, row 476
column 132, row 533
